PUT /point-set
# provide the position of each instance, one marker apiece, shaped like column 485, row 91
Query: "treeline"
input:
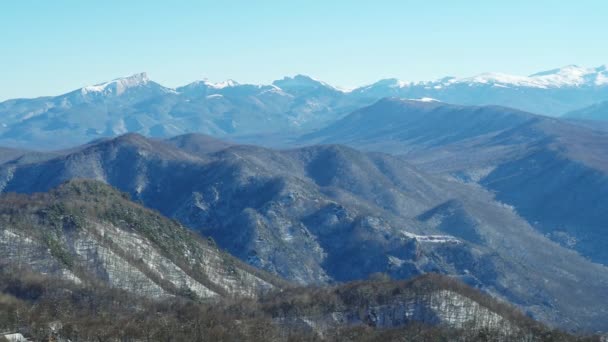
column 44, row 308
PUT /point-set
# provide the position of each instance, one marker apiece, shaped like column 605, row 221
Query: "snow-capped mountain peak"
column 221, row 85
column 571, row 69
column 567, row 76
column 117, row 86
column 394, row 83
column 301, row 82
column 390, row 83
column 206, row 83
column 573, row 75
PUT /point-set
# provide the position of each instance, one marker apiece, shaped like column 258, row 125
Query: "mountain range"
column 291, row 105
column 553, row 172
column 498, row 181
column 83, row 253
column 327, row 213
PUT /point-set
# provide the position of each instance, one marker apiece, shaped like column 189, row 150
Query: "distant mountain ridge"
column 289, row 105
column 595, row 112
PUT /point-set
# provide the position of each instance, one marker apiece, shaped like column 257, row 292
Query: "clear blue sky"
column 50, row 47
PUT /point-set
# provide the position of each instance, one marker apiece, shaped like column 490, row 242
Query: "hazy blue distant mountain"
column 288, row 106
column 324, row 213
column 127, row 104
column 552, row 92
column 596, row 112
column 555, row 173
column 136, row 104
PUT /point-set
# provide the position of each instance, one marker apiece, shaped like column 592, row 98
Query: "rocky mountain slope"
column 553, row 172
column 89, row 233
column 430, row 299
column 325, row 213
column 428, row 308
column 292, row 104
column 86, row 249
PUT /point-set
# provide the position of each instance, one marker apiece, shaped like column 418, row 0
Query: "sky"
column 51, row 47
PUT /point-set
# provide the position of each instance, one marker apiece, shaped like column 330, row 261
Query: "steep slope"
column 326, row 213
column 554, row 173
column 431, row 299
column 429, row 307
column 87, row 232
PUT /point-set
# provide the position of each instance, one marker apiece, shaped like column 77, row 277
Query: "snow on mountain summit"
column 221, row 85
column 205, row 83
column 572, row 75
column 568, row 76
column 117, row 86
column 394, row 83
column 300, row 82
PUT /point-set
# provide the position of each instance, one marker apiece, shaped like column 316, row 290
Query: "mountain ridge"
column 331, row 213
column 595, row 112
column 87, row 232
column 433, row 306
column 292, row 105
column 569, row 75
column 556, row 162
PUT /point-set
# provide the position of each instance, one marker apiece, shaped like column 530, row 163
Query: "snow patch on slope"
column 431, row 238
column 425, row 99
